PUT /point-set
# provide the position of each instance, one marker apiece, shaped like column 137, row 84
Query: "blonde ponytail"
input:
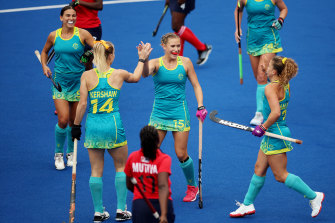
column 101, row 50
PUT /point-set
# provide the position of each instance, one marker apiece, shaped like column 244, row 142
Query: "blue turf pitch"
column 31, row 190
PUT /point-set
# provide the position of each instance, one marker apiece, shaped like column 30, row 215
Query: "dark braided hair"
column 149, row 141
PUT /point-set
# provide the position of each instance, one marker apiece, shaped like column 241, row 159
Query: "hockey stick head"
column 212, row 115
column 200, row 204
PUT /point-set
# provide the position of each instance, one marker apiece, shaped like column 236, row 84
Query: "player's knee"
column 176, row 27
column 96, row 171
column 62, row 123
column 279, row 177
column 261, row 78
column 182, row 156
column 259, row 170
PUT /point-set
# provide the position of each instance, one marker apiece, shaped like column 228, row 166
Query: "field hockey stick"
column 160, row 20
column 38, row 55
column 153, row 210
column 73, row 185
column 51, row 55
column 200, row 165
column 239, row 43
column 249, row 129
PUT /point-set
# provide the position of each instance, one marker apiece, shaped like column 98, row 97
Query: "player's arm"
column 96, row 5
column 128, row 172
column 150, row 67
column 130, row 185
column 272, row 97
column 44, row 54
column 194, row 80
column 81, row 108
column 163, row 191
column 86, row 37
column 239, row 6
column 144, row 51
column 282, row 8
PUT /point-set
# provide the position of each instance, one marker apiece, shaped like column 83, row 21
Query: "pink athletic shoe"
column 191, row 193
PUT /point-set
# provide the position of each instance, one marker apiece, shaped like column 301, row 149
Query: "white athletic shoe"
column 316, row 203
column 100, row 217
column 69, row 158
column 258, row 119
column 59, row 161
column 242, row 210
column 122, row 215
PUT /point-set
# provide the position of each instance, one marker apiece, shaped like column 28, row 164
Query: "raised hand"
column 144, row 50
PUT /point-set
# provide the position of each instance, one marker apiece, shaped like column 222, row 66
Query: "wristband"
column 263, row 128
column 141, row 60
column 281, row 20
column 201, row 108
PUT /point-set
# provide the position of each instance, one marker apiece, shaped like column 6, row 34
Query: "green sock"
column 255, row 187
column 188, row 170
column 69, row 140
column 60, row 135
column 296, row 183
column 96, row 187
column 121, row 190
column 260, row 96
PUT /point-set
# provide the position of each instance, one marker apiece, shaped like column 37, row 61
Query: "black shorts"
column 96, row 33
column 175, row 7
column 142, row 213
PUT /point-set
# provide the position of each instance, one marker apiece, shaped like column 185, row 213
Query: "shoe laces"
column 99, row 214
column 59, row 158
column 69, row 156
column 125, row 212
column 191, row 190
column 238, row 203
column 312, row 204
column 58, row 155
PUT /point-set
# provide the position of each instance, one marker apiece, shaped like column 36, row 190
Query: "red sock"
column 181, row 46
column 186, row 34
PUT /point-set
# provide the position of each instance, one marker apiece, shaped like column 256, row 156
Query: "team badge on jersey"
column 75, row 46
column 181, row 76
